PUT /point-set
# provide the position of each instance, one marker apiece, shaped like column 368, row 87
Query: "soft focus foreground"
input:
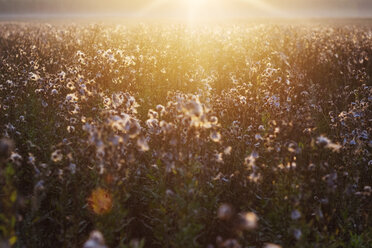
column 172, row 136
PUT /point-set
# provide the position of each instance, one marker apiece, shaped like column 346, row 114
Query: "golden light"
column 264, row 6
column 182, row 9
column 194, row 10
column 193, row 4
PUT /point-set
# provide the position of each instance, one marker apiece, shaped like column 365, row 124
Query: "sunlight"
column 191, row 10
column 185, row 123
column 194, row 10
column 264, row 6
column 150, row 7
column 193, row 6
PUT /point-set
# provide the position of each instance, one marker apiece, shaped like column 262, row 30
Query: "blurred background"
column 180, row 8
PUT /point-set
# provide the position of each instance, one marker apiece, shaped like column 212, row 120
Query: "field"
column 169, row 135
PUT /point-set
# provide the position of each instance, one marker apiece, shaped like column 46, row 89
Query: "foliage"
column 175, row 136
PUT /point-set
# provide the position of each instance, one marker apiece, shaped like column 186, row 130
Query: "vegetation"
column 175, row 136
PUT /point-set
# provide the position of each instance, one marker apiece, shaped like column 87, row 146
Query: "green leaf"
column 13, row 196
column 9, row 171
column 12, row 240
column 151, row 177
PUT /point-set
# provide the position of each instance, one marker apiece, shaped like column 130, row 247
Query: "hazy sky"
column 216, row 8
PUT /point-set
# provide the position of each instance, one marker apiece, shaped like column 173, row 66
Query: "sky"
column 194, row 8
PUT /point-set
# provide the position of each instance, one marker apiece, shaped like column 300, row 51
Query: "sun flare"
column 195, row 10
column 185, row 123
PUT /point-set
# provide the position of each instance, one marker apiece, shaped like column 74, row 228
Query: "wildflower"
column 219, row 158
column 34, row 76
column 251, row 159
column 169, row 192
column 100, row 201
column 227, row 150
column 133, row 128
column 292, row 147
column 15, row 158
column 367, row 190
column 31, row 158
column 215, row 136
column 254, row 176
column 322, row 140
column 160, row 108
column 62, row 75
column 72, row 168
column 6, row 147
column 70, row 86
column 225, row 212
column 43, row 165
column 214, row 120
column 276, row 130
column 295, row 215
column 142, row 144
column 270, row 245
column 39, row 186
column 95, row 240
column 10, row 83
column 70, row 129
column 56, row 156
column 334, row 147
column 248, row 221
column 218, row 177
column 297, row 233
column 258, row 137
column 71, row 97
column 230, row 243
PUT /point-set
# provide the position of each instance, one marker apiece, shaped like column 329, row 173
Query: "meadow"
column 168, row 135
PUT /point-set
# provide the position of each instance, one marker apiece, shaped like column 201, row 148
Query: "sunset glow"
column 185, row 123
column 189, row 9
column 196, row 10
